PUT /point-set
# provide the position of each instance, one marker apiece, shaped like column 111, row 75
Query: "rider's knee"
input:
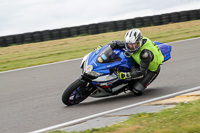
column 137, row 86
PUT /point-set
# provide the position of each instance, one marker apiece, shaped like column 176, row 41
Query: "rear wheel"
column 76, row 92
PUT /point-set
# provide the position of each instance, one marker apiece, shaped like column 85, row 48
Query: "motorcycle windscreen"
column 108, row 55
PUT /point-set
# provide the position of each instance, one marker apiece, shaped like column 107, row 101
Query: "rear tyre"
column 76, row 92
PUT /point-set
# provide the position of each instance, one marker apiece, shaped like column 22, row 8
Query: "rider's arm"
column 117, row 44
column 146, row 58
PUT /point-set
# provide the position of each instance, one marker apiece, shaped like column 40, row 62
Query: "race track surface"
column 30, row 99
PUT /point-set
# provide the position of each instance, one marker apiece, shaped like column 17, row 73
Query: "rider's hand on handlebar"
column 98, row 47
column 124, row 75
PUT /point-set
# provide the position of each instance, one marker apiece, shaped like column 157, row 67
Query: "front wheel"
column 76, row 92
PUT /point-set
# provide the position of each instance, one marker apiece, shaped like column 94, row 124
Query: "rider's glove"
column 98, row 47
column 124, row 75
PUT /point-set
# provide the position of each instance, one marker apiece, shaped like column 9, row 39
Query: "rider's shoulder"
column 145, row 54
column 145, row 40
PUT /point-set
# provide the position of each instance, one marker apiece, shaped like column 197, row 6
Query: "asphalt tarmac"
column 122, row 115
column 30, row 99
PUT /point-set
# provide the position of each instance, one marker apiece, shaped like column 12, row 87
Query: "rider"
column 146, row 54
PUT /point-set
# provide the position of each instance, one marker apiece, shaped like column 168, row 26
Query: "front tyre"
column 76, row 92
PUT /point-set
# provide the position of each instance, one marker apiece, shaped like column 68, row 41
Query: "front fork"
column 89, row 87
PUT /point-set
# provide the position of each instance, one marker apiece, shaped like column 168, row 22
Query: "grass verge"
column 19, row 56
column 184, row 118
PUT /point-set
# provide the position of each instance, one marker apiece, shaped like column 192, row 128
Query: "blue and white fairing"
column 100, row 62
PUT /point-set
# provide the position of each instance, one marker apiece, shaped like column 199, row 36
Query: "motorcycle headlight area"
column 90, row 72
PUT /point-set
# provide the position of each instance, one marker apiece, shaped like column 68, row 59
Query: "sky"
column 22, row 16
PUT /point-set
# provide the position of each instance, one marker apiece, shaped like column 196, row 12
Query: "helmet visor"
column 133, row 46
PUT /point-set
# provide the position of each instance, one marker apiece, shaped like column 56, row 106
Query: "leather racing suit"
column 148, row 61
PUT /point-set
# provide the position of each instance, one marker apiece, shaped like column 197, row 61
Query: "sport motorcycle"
column 99, row 74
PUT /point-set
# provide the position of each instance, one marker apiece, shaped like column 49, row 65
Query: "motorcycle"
column 99, row 75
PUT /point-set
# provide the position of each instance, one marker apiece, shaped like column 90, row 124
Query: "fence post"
column 65, row 32
column 28, row 38
column 46, row 35
column 2, row 42
column 138, row 23
column 120, row 25
column 147, row 21
column 165, row 18
column 101, row 28
column 55, row 34
column 19, row 39
column 156, row 20
column 183, row 16
column 129, row 24
column 37, row 37
column 193, row 14
column 174, row 17
column 92, row 29
column 10, row 40
column 74, row 31
column 83, row 29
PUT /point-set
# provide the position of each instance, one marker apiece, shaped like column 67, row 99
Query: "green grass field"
column 20, row 56
column 184, row 118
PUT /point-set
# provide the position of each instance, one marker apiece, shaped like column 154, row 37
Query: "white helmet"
column 133, row 40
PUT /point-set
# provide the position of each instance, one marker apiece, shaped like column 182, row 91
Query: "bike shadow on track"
column 120, row 98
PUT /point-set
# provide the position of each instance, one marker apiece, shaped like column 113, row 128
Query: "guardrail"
column 96, row 28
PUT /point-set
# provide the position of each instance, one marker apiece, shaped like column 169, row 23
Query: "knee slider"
column 138, row 86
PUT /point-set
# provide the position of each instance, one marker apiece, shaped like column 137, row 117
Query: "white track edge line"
column 40, row 65
column 113, row 110
column 185, row 40
column 76, row 59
